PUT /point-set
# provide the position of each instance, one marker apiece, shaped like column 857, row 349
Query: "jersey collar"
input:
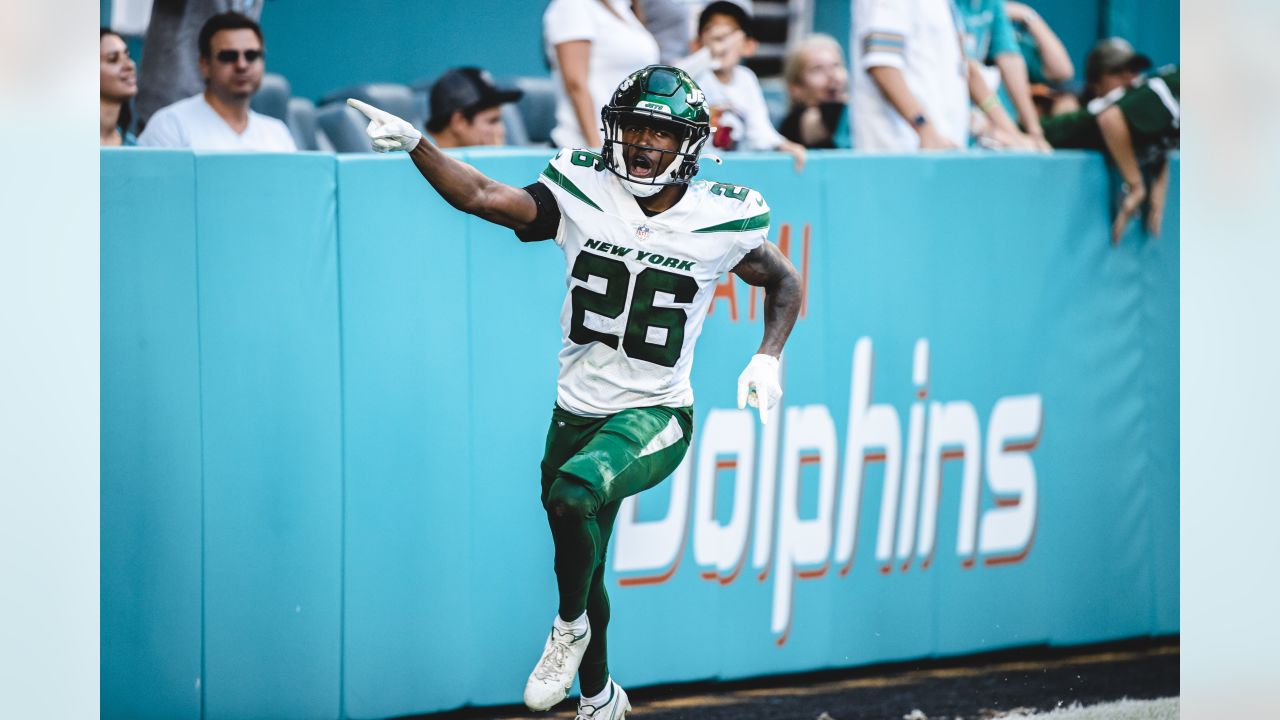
column 673, row 218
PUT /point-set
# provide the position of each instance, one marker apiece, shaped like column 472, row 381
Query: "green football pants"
column 589, row 466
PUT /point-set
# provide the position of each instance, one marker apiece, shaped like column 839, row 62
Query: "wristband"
column 989, row 103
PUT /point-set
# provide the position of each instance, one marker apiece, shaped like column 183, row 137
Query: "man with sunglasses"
column 232, row 61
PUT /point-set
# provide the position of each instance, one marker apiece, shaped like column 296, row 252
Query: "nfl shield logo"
column 642, row 233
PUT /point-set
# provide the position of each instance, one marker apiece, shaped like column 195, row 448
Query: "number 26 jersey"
column 639, row 286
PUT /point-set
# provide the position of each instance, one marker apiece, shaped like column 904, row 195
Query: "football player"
column 645, row 245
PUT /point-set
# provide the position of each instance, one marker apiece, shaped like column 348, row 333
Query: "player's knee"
column 569, row 500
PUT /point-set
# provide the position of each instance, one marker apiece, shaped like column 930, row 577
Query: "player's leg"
column 624, row 454
column 593, row 674
column 634, row 451
column 570, row 635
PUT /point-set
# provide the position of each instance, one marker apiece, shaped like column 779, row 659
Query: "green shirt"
column 1151, row 108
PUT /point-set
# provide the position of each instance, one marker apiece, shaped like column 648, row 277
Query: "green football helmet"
column 657, row 95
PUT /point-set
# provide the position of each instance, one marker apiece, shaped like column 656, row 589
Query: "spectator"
column 912, row 83
column 817, row 83
column 118, row 83
column 466, row 109
column 739, row 113
column 1049, row 66
column 989, row 40
column 592, row 46
column 909, row 77
column 169, row 70
column 232, row 61
column 1111, row 64
column 1137, row 126
column 1046, row 57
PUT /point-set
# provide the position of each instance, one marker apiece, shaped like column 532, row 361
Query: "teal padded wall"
column 325, row 393
column 404, row 365
column 271, row 422
column 151, row 444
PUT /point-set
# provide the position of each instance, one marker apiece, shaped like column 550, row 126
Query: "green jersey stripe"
column 752, row 223
column 556, row 177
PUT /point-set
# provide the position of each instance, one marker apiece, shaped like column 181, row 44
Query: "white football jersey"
column 639, row 286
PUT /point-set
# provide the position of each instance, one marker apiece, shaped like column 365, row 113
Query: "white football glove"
column 759, row 386
column 387, row 131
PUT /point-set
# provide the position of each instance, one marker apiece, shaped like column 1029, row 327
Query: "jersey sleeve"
column 1002, row 37
column 566, row 20
column 743, row 226
column 1153, row 107
column 573, row 178
column 546, row 225
column 883, row 40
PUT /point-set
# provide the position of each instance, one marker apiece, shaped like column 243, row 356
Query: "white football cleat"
column 552, row 677
column 615, row 708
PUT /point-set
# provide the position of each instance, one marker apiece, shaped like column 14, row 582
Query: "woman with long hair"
column 118, row 84
column 592, row 46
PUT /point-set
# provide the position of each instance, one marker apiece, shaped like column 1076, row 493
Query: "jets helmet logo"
column 695, row 97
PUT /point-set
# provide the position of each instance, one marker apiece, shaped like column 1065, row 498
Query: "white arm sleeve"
column 881, row 29
column 566, row 20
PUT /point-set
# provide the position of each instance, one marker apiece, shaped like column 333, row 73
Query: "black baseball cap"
column 724, row 7
column 1111, row 55
column 469, row 89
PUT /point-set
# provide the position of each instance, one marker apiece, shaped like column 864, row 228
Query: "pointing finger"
column 369, row 111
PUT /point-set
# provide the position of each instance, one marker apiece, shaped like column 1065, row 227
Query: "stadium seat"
column 775, row 98
column 537, row 107
column 272, row 97
column 301, row 119
column 513, row 125
column 394, row 98
column 344, row 127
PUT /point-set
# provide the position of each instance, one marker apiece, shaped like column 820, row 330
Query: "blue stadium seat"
column 272, row 97
column 776, row 99
column 537, row 107
column 301, row 119
column 513, row 125
column 344, row 127
column 394, row 98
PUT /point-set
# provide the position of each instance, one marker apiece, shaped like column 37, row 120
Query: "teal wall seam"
column 342, row 445
column 195, row 204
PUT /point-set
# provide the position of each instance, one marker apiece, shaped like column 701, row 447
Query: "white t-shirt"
column 620, row 45
column 193, row 123
column 743, row 99
column 640, row 286
column 922, row 39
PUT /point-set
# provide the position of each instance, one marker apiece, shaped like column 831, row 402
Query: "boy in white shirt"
column 739, row 114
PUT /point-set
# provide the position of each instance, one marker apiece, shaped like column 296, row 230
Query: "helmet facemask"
column 683, row 165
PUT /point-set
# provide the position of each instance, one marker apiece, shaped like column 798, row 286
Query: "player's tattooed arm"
column 768, row 268
column 471, row 191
